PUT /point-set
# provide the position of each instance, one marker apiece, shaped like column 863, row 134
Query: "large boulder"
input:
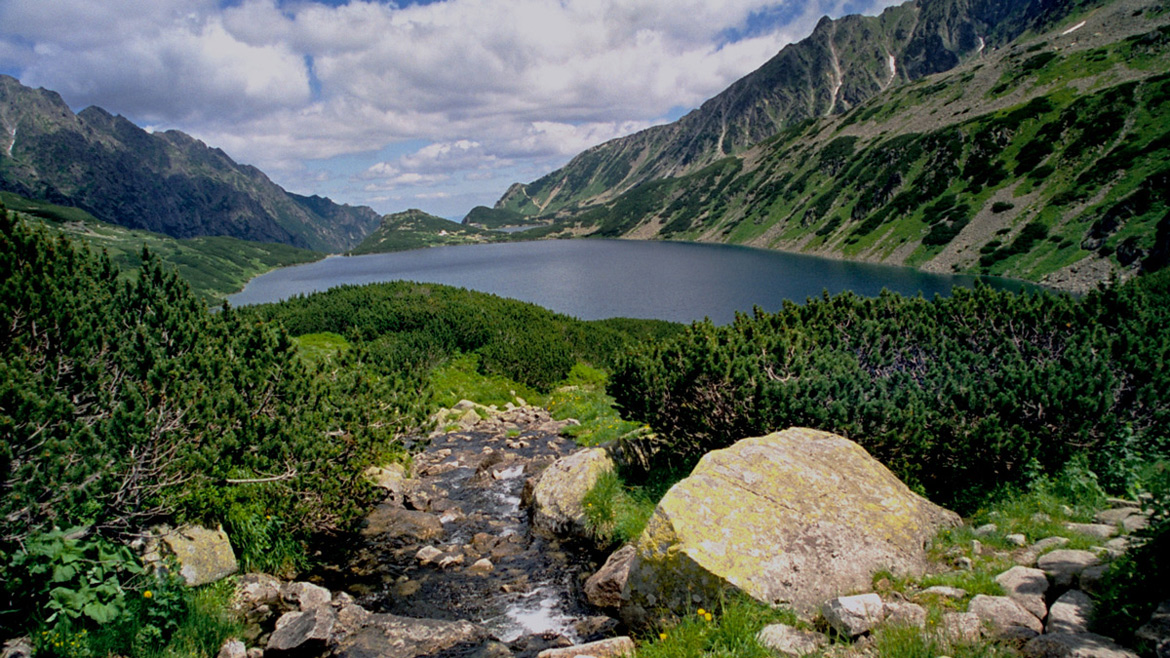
column 604, row 588
column 390, row 636
column 556, row 499
column 796, row 517
column 204, row 555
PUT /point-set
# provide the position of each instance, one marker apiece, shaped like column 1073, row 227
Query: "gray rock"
column 1090, row 578
column 1071, row 613
column 1080, row 645
column 790, row 641
column 256, row 589
column 611, row 648
column 962, row 626
column 481, row 566
column 391, row 636
column 1135, row 522
column 557, row 507
column 20, row 647
column 1115, row 516
column 391, row 477
column 1016, row 539
column 1007, row 618
column 306, row 595
column 904, row 613
column 853, row 615
column 985, row 530
column 427, row 554
column 1117, row 546
column 604, row 588
column 303, row 631
column 1095, row 530
column 204, row 555
column 1027, row 587
column 232, row 648
column 945, row 592
column 796, row 517
column 391, row 522
column 1049, row 542
column 1156, row 632
column 1063, row 566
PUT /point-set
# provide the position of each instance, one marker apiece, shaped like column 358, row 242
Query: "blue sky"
column 431, row 104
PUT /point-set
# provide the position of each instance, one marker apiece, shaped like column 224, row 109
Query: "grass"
column 460, row 379
column 617, row 513
column 727, row 632
column 318, row 348
column 582, row 396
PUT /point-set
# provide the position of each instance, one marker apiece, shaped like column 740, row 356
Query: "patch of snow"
column 982, row 45
column 1073, row 28
column 892, row 63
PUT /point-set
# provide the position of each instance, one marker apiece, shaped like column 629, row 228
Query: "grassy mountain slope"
column 1046, row 160
column 841, row 65
column 164, row 182
column 214, row 266
column 414, row 229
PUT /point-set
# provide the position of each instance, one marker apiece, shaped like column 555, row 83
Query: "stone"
column 306, row 595
column 303, row 631
column 1115, row 515
column 556, row 499
column 256, row 589
column 1156, row 632
column 427, row 554
column 1135, row 522
column 965, row 563
column 1006, row 617
column 450, row 560
column 904, row 613
column 945, row 592
column 1094, row 530
column 1117, row 546
column 255, row 652
column 391, row 636
column 1049, row 542
column 391, row 477
column 481, row 566
column 985, row 530
column 611, row 648
column 396, row 524
column 232, row 648
column 789, row 641
column 20, row 647
column 1079, row 645
column 853, row 615
column 1090, row 578
column 204, row 555
column 1027, row 587
column 1071, row 613
column 795, row 518
column 962, row 626
column 468, row 420
column 1016, row 539
column 1063, row 565
column 604, row 588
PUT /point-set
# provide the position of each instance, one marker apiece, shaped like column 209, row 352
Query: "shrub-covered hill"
column 1044, row 160
column 414, row 229
column 958, row 395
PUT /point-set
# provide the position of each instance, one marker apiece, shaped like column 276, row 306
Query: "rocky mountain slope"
column 164, row 182
column 1045, row 159
column 841, row 65
column 414, row 229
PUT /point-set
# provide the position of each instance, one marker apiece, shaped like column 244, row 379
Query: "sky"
column 436, row 104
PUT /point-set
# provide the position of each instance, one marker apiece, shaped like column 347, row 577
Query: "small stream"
column 456, row 543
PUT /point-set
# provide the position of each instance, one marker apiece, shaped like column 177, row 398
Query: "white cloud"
column 493, row 84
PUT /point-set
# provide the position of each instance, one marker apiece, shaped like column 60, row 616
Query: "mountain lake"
column 596, row 279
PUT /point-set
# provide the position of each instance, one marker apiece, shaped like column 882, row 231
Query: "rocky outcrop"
column 390, row 636
column 611, row 648
column 557, row 498
column 795, row 517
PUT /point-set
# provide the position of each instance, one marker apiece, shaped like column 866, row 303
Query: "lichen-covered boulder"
column 204, row 555
column 556, row 499
column 796, row 517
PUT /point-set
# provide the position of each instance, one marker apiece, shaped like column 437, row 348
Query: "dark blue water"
column 594, row 279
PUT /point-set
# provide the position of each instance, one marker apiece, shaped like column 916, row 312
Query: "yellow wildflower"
column 147, row 594
column 662, row 636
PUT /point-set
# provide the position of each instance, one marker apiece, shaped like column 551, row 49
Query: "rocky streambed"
column 453, row 541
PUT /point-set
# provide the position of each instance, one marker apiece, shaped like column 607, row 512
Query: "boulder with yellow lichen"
column 794, row 518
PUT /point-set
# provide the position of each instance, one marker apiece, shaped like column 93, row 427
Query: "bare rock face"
column 796, row 517
column 604, row 588
column 556, row 499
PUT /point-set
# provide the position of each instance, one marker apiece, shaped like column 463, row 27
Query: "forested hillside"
column 1042, row 160
column 166, row 182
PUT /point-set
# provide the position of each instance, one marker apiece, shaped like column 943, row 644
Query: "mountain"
column 167, row 182
column 841, row 65
column 1045, row 158
column 414, row 229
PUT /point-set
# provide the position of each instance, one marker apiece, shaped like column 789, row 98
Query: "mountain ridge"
column 167, row 182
